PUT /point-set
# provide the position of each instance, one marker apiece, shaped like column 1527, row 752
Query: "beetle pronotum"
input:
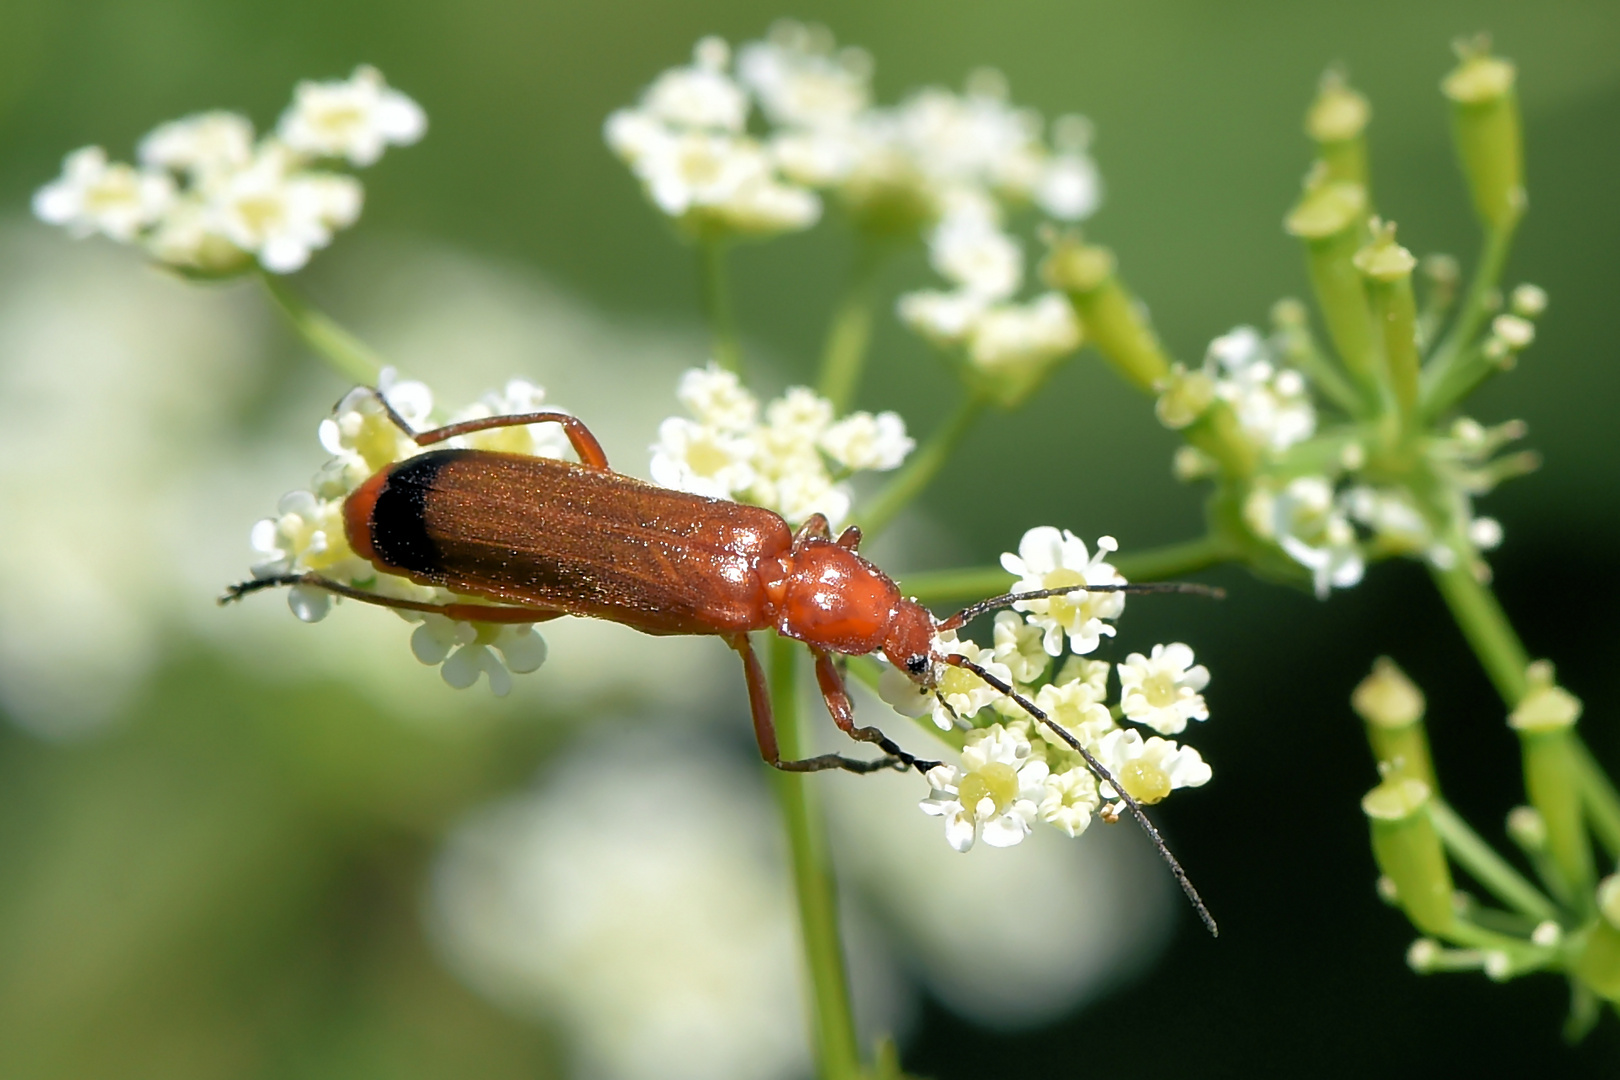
column 543, row 538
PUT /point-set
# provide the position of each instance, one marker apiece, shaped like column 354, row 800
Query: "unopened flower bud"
column 1485, row 117
column 1547, row 934
column 1183, row 396
column 1335, row 121
column 1442, row 270
column 1423, row 955
column 1528, row 300
column 1387, row 698
column 1546, row 706
column 1517, row 333
column 1527, row 828
column 1409, row 852
column 1382, row 259
column 1327, row 209
column 1189, row 463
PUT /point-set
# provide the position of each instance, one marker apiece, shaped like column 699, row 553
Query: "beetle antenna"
column 1103, row 775
column 973, row 611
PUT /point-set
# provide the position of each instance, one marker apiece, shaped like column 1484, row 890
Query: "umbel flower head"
column 1016, row 771
column 793, row 457
column 207, row 199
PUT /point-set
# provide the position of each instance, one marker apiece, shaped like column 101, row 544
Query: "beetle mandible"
column 542, row 538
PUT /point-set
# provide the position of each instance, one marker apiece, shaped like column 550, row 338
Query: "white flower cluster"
column 893, row 167
column 985, row 266
column 1014, row 771
column 307, row 535
column 208, row 199
column 686, row 141
column 793, row 461
column 1271, row 402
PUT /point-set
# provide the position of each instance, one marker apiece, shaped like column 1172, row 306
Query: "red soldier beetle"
column 543, row 538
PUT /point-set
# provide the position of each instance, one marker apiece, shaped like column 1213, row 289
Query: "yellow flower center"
column 959, row 682
column 996, row 780
column 1065, row 609
column 705, row 458
column 377, row 441
column 1159, row 689
column 1144, row 782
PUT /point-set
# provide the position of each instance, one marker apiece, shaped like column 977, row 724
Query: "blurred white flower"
column 800, row 81
column 1271, row 402
column 517, row 396
column 464, row 651
column 237, row 200
column 1048, row 559
column 1018, row 337
column 653, row 927
column 704, row 460
column 1163, row 691
column 281, row 214
column 718, row 398
column 354, row 118
column 202, row 145
column 1309, row 525
column 727, row 452
column 93, row 196
column 944, row 318
column 700, row 96
column 976, row 255
column 863, row 441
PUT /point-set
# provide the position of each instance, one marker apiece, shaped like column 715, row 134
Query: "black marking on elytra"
column 399, row 519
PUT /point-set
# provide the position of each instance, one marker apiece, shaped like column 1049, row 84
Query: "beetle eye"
column 917, row 664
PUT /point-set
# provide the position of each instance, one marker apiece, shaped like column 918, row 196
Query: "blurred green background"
column 228, row 883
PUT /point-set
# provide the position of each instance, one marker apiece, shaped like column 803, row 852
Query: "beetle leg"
column 814, row 528
column 486, row 613
column 759, row 701
column 590, row 452
column 843, row 714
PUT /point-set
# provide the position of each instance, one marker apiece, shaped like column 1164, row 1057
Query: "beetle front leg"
column 759, row 701
column 843, row 714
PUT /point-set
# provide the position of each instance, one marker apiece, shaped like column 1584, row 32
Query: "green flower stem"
column 833, row 1021
column 1481, row 861
column 1440, row 383
column 1155, row 564
column 717, row 310
column 1601, row 800
column 924, row 465
column 351, row 357
column 1487, row 629
column 850, row 331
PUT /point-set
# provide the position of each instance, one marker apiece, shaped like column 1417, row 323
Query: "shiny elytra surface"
column 551, row 534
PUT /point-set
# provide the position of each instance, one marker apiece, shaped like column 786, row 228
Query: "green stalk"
column 833, row 1021
column 351, row 357
column 924, row 465
column 717, row 310
column 1602, row 801
column 1486, row 866
column 1440, row 381
column 1487, row 629
column 850, row 331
